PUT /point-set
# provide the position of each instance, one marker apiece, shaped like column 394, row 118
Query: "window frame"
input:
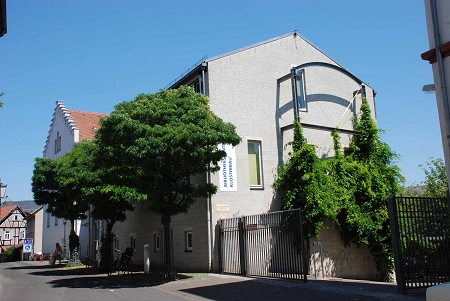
column 295, row 74
column 260, row 163
column 188, row 244
column 133, row 241
column 116, row 244
column 156, row 242
column 6, row 235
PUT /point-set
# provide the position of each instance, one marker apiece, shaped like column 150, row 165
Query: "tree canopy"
column 58, row 184
column 157, row 142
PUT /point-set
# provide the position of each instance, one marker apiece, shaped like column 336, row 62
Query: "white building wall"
column 38, row 225
column 64, row 126
column 243, row 89
column 443, row 16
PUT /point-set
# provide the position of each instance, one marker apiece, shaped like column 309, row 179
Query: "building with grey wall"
column 261, row 89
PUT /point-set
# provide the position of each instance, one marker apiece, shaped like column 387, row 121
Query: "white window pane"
column 254, row 163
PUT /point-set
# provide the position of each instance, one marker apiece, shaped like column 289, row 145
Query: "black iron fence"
column 266, row 245
column 421, row 240
column 167, row 270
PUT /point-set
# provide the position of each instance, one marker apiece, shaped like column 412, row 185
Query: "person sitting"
column 57, row 253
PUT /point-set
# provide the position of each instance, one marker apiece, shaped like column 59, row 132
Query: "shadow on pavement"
column 255, row 290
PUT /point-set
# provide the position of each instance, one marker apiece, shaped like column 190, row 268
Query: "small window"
column 57, row 143
column 255, row 164
column 16, row 217
column 48, row 219
column 116, row 244
column 6, row 235
column 156, row 242
column 299, row 90
column 133, row 242
column 56, row 221
column 23, row 234
column 188, row 240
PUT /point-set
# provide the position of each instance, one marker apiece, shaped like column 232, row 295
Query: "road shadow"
column 102, row 281
column 255, row 290
column 35, row 267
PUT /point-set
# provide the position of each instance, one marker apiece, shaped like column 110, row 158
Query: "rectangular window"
column 6, row 235
column 299, row 90
column 48, row 219
column 116, row 244
column 56, row 221
column 156, row 242
column 188, row 240
column 57, row 143
column 133, row 242
column 255, row 164
column 16, row 217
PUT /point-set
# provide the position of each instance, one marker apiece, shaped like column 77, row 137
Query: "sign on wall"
column 227, row 175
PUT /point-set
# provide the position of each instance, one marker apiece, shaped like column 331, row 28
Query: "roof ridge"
column 79, row 111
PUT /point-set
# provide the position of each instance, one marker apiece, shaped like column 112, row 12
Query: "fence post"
column 396, row 244
column 219, row 224
column 448, row 199
column 242, row 247
column 304, row 247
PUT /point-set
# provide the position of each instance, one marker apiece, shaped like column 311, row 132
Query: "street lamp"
column 430, row 88
column 2, row 191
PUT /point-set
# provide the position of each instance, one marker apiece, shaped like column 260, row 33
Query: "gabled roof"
column 87, row 123
column 203, row 64
column 6, row 211
column 82, row 124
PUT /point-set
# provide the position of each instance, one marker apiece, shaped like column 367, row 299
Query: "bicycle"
column 121, row 262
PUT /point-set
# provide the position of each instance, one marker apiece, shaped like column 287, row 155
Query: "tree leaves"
column 160, row 141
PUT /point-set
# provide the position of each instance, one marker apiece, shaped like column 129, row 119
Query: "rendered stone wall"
column 339, row 261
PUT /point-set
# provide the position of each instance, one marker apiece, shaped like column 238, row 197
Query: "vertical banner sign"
column 227, row 175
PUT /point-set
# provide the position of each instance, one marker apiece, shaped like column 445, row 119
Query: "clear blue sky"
column 95, row 54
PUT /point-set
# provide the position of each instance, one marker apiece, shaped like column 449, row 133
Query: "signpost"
column 27, row 245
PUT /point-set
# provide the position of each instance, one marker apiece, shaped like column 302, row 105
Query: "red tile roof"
column 4, row 211
column 87, row 123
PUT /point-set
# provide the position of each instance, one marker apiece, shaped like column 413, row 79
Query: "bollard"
column 146, row 259
column 34, row 257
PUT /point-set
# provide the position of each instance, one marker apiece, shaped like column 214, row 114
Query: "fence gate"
column 266, row 245
column 421, row 240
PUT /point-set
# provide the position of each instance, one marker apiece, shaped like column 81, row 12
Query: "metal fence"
column 167, row 270
column 266, row 245
column 421, row 240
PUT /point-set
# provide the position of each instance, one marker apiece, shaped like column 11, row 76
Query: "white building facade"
column 68, row 128
column 260, row 89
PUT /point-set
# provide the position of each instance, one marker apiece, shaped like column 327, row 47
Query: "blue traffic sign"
column 28, row 241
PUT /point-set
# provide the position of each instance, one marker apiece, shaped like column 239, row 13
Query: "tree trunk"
column 165, row 221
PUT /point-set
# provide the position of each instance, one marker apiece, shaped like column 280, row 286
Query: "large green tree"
column 105, row 190
column 56, row 183
column 436, row 183
column 158, row 142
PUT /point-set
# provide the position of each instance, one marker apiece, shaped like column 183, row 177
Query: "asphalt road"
column 28, row 281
